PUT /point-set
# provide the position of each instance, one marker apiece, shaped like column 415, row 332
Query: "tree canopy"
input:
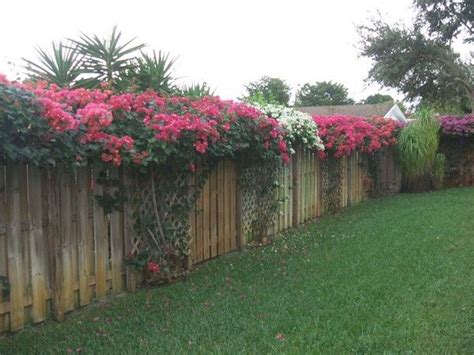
column 377, row 99
column 447, row 19
column 267, row 89
column 323, row 93
column 419, row 61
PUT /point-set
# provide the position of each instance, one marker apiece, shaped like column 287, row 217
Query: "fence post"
column 15, row 260
column 296, row 186
column 116, row 238
column 37, row 243
column 239, row 206
column 85, row 250
column 130, row 276
column 54, row 246
column 100, row 236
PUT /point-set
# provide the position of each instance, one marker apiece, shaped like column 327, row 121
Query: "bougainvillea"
column 458, row 125
column 343, row 135
column 301, row 128
column 139, row 129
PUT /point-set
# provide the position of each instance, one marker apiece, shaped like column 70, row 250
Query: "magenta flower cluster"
column 457, row 125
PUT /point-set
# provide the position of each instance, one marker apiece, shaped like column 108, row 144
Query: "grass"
column 393, row 275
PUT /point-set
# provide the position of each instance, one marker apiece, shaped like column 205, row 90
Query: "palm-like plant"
column 153, row 72
column 61, row 67
column 196, row 90
column 106, row 59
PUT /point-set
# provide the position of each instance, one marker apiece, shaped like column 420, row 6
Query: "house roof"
column 367, row 110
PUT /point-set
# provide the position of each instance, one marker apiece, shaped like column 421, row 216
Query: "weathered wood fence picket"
column 59, row 250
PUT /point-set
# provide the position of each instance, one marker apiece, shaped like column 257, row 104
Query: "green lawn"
column 393, row 275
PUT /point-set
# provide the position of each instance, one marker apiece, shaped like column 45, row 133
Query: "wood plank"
column 192, row 227
column 296, row 188
column 213, row 211
column 128, row 181
column 280, row 219
column 240, row 238
column 14, row 247
column 37, row 244
column 84, row 233
column 3, row 245
column 206, row 219
column 282, row 203
column 303, row 195
column 116, row 240
column 344, row 181
column 25, row 239
column 55, row 245
column 307, row 186
column 199, row 235
column 310, row 186
column 321, row 188
column 349, row 180
column 221, row 208
column 316, row 184
column 67, row 232
column 227, row 205
column 233, row 205
column 100, row 238
column 313, row 185
column 289, row 181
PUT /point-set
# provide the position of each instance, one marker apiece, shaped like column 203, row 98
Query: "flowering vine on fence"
column 136, row 129
column 343, row 135
column 457, row 125
column 300, row 127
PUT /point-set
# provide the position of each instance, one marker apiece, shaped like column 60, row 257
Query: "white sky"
column 226, row 43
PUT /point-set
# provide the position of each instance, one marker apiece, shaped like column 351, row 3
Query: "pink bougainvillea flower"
column 153, row 267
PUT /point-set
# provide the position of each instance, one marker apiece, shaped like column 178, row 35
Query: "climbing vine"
column 372, row 181
column 258, row 183
column 332, row 184
column 161, row 201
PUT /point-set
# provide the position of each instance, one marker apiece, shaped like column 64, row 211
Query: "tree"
column 377, row 99
column 447, row 19
column 323, row 93
column 424, row 68
column 272, row 90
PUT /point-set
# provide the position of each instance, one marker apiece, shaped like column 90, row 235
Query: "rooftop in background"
column 368, row 110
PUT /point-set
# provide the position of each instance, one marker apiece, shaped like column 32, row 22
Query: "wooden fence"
column 60, row 250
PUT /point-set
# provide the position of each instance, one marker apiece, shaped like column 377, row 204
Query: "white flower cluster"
column 300, row 127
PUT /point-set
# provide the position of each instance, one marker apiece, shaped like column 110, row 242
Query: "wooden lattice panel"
column 259, row 199
column 159, row 207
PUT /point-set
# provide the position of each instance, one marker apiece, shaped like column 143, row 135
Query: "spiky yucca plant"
column 152, row 71
column 105, row 59
column 196, row 90
column 62, row 66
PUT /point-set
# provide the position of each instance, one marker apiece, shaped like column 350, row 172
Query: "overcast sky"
column 225, row 43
